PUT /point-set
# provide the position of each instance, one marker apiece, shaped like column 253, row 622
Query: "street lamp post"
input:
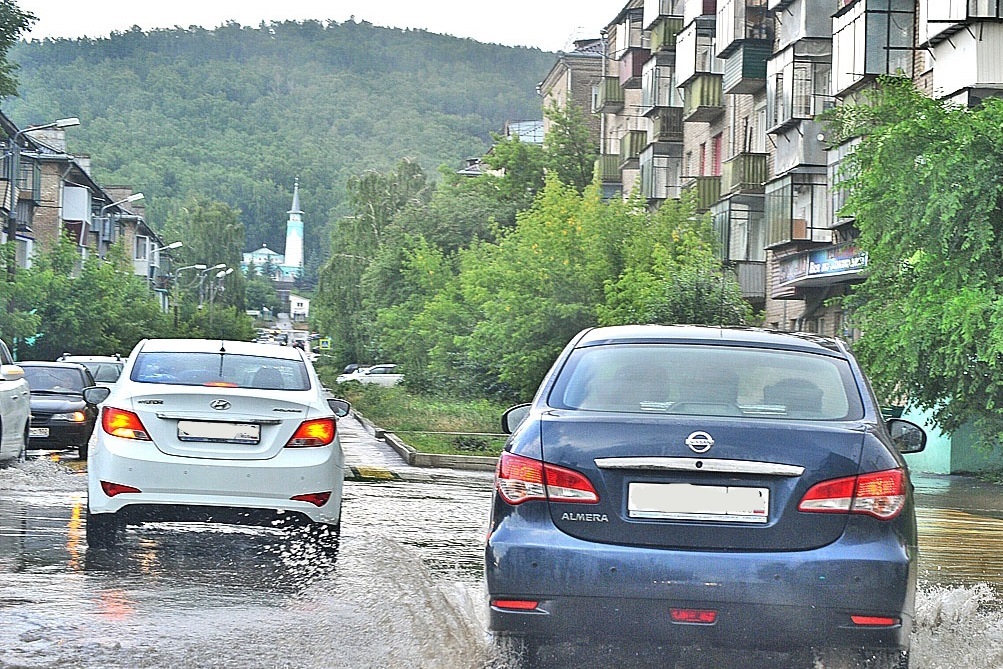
column 215, row 287
column 202, row 275
column 15, row 168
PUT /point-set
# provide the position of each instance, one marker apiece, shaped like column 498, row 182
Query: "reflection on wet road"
column 402, row 590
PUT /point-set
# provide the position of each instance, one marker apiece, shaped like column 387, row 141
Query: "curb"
column 418, row 459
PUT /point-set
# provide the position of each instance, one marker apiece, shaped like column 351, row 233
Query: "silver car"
column 15, row 411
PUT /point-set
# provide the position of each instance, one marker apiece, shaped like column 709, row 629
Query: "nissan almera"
column 214, row 431
column 696, row 487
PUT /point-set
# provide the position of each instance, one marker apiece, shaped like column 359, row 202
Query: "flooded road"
column 403, row 590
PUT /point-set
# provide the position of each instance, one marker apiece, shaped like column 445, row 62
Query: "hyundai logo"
column 699, row 442
column 223, row 405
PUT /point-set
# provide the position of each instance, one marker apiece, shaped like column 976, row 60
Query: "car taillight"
column 310, row 433
column 516, row 604
column 124, row 424
column 520, row 479
column 112, row 489
column 879, row 494
column 315, row 498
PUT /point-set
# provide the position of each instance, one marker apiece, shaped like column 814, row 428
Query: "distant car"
column 60, row 417
column 381, row 375
column 214, row 431
column 15, row 411
column 702, row 487
column 104, row 368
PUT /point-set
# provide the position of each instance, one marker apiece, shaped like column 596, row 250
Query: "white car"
column 214, row 431
column 104, row 368
column 381, row 375
column 15, row 410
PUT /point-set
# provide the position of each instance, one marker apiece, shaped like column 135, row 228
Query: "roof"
column 707, row 334
column 218, row 346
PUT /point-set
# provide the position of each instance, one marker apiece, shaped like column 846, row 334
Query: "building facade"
column 719, row 100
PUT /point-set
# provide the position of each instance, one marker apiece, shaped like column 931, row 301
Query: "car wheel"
column 518, row 652
column 82, row 451
column 22, row 455
column 102, row 530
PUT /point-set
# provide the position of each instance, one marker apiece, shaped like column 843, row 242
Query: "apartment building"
column 719, row 99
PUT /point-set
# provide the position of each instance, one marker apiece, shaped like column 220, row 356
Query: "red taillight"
column 879, row 494
column 521, row 479
column 693, row 616
column 515, row 604
column 112, row 489
column 122, row 423
column 315, row 498
column 310, row 433
column 874, row 621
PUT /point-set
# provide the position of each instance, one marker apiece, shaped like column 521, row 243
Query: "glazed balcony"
column 632, row 67
column 740, row 21
column 703, row 100
column 938, row 21
column 660, row 166
column 745, row 173
column 610, row 96
column 695, row 51
column 705, row 190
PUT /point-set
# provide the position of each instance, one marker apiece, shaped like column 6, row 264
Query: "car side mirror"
column 341, row 408
column 513, row 417
column 11, row 372
column 907, row 436
column 96, row 394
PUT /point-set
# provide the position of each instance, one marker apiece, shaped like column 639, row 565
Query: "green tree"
column 925, row 186
column 571, row 150
column 14, row 22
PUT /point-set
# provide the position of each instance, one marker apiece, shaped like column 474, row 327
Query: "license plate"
column 685, row 501
column 227, row 433
column 38, row 432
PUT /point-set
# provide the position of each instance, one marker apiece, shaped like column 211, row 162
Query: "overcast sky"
column 547, row 24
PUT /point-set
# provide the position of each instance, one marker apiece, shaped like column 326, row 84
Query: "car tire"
column 102, row 530
column 517, row 651
column 22, row 455
column 82, row 451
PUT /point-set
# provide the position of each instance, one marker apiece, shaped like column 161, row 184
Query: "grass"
column 430, row 424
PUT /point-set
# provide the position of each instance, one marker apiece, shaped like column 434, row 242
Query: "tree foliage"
column 14, row 22
column 925, row 185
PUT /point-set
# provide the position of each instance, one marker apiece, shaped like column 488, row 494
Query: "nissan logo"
column 223, row 405
column 699, row 442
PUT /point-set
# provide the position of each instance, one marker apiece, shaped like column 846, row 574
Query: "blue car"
column 705, row 487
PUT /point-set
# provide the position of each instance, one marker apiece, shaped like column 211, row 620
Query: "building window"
column 142, row 248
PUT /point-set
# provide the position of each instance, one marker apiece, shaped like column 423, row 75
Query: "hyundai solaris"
column 214, row 431
column 705, row 487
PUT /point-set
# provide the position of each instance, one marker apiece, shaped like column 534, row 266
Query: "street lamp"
column 12, row 176
column 169, row 247
column 202, row 274
column 217, row 286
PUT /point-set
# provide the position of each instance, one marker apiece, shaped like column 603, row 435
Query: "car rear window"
column 224, row 370
column 707, row 380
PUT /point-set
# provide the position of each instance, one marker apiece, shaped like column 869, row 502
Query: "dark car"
column 705, row 487
column 60, row 417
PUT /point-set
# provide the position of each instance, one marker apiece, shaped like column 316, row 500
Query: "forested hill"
column 236, row 113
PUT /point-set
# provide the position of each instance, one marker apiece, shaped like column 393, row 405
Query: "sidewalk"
column 371, row 458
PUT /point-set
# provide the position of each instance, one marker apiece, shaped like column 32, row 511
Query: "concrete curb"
column 418, row 459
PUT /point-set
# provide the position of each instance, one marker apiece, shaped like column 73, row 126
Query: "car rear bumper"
column 181, row 488
column 768, row 601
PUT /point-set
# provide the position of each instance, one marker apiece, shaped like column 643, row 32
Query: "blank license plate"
column 684, row 501
column 227, row 433
column 38, row 432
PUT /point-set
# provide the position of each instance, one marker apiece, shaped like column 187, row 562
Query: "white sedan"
column 15, row 411
column 380, row 375
column 214, row 431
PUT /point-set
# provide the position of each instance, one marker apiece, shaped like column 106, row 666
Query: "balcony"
column 667, row 125
column 658, row 85
column 660, row 166
column 865, row 45
column 938, row 21
column 745, row 68
column 664, row 33
column 703, row 99
column 739, row 21
column 608, row 168
column 655, row 10
column 632, row 67
column 817, row 268
column 631, row 145
column 745, row 173
column 610, row 96
column 797, row 209
column 705, row 191
column 695, row 51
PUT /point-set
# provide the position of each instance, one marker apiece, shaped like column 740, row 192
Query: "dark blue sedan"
column 705, row 487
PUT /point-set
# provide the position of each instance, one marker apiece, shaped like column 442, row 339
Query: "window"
column 142, row 248
column 226, row 371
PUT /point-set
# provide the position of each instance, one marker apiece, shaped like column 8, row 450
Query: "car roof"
column 706, row 334
column 51, row 363
column 217, row 346
column 90, row 358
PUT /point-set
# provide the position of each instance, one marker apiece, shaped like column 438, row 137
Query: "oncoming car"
column 104, row 368
column 214, row 431
column 60, row 416
column 705, row 487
